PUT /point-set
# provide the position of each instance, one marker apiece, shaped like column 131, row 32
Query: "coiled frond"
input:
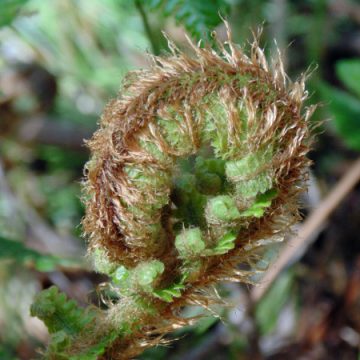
column 196, row 167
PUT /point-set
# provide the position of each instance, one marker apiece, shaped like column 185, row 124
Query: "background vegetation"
column 62, row 60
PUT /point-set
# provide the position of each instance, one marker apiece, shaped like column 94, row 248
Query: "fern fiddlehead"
column 196, row 166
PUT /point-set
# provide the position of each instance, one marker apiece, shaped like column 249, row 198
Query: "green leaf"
column 261, row 203
column 348, row 72
column 345, row 110
column 59, row 313
column 268, row 309
column 198, row 17
column 169, row 293
column 65, row 321
column 224, row 245
column 204, row 324
column 19, row 253
column 9, row 10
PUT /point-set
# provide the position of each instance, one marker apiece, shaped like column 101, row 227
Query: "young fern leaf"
column 196, row 167
column 66, row 322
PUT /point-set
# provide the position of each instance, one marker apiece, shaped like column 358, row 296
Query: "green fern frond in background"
column 348, row 72
column 65, row 320
column 345, row 105
column 197, row 16
column 9, row 10
column 58, row 313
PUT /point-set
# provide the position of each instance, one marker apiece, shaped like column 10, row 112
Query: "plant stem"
column 147, row 28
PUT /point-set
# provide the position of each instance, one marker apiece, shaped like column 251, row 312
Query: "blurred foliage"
column 76, row 54
column 197, row 16
column 9, row 10
column 15, row 251
column 345, row 106
column 345, row 110
column 349, row 73
column 269, row 308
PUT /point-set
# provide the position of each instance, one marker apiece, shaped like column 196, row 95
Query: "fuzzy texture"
column 195, row 169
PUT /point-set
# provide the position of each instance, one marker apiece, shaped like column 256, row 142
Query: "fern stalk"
column 196, row 168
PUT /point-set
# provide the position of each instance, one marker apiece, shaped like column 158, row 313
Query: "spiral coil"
column 196, row 167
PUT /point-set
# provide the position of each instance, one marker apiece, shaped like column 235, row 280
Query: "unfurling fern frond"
column 196, row 167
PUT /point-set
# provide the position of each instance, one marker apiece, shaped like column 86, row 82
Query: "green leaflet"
column 243, row 167
column 224, row 245
column 154, row 151
column 120, row 275
column 248, row 176
column 147, row 273
column 197, row 16
column 169, row 293
column 215, row 129
column 171, row 129
column 262, row 201
column 250, row 188
column 143, row 177
column 59, row 313
column 173, row 290
column 65, row 320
